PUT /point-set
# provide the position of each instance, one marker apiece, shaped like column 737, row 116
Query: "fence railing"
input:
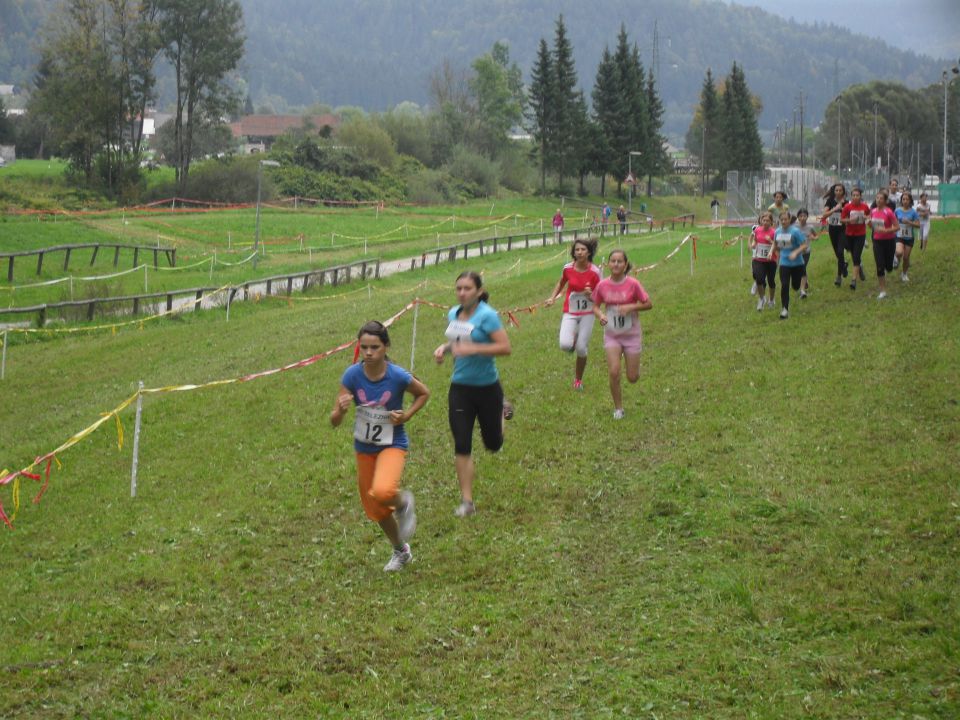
column 339, row 274
column 169, row 252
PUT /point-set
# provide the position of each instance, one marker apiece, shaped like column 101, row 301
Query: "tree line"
column 96, row 77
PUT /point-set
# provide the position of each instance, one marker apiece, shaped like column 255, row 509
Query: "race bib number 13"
column 580, row 302
column 373, row 426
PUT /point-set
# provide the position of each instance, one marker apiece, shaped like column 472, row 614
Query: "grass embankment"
column 294, row 240
column 771, row 532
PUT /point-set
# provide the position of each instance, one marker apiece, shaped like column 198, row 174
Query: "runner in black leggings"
column 834, row 201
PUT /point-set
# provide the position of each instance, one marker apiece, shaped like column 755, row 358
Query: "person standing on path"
column 558, row 225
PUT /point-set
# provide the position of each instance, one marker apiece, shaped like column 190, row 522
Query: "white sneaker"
column 803, row 294
column 406, row 516
column 466, row 507
column 771, row 303
column 760, row 304
column 882, row 295
column 753, row 290
column 399, row 559
column 784, row 314
column 904, row 278
column 618, row 414
column 896, row 263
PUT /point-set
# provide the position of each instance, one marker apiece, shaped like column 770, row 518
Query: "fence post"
column 39, row 262
column 136, row 442
column 3, row 363
column 116, row 255
column 10, row 270
column 136, row 256
column 66, row 260
column 93, row 258
column 413, row 341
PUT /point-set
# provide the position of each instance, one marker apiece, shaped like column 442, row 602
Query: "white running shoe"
column 760, row 304
column 882, row 295
column 465, row 508
column 399, row 559
column 406, row 516
column 784, row 314
column 771, row 303
column 896, row 262
column 904, row 278
column 803, row 294
column 753, row 290
column 618, row 414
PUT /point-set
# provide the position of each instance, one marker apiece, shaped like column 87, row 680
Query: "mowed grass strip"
column 770, row 532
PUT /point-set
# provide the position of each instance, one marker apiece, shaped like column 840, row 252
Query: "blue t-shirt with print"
column 910, row 214
column 373, row 399
column 787, row 241
column 477, row 370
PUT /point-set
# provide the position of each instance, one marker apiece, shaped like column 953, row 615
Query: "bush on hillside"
column 477, row 176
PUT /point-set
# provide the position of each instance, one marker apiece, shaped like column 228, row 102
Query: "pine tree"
column 743, row 149
column 705, row 135
column 607, row 112
column 540, row 107
column 658, row 161
column 566, row 108
column 630, row 128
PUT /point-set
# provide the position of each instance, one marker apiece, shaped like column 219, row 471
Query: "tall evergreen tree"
column 740, row 132
column 658, row 160
column 607, row 112
column 540, row 109
column 631, row 130
column 567, row 109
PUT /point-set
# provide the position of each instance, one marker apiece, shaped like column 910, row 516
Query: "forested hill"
column 377, row 54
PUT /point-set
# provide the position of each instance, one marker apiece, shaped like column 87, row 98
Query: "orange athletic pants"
column 378, row 479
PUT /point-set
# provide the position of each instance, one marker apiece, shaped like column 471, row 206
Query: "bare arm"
column 420, row 396
column 340, row 406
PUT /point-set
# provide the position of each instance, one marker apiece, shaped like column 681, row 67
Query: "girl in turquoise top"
column 792, row 243
column 475, row 336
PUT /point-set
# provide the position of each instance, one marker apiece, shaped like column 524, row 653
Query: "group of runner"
column 783, row 240
column 475, row 336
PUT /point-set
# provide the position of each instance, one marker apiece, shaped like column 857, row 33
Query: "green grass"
column 295, row 240
column 771, row 532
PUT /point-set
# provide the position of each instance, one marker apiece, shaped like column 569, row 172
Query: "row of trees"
column 626, row 120
column 724, row 132
column 97, row 76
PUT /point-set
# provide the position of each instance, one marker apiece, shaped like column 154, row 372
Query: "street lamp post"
column 633, row 180
column 268, row 163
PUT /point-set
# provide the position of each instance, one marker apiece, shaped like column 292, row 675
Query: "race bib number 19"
column 373, row 426
column 618, row 323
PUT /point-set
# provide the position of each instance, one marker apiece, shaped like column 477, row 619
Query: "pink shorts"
column 627, row 343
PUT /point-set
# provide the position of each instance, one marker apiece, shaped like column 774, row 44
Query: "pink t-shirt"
column 577, row 282
column 764, row 236
column 628, row 290
column 888, row 217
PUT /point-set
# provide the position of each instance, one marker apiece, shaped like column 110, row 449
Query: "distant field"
column 771, row 532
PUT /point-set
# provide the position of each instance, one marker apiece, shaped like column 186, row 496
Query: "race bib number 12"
column 373, row 426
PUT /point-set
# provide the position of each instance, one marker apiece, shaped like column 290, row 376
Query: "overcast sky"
column 928, row 27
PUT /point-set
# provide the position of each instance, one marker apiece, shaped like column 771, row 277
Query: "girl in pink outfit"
column 623, row 298
column 884, row 224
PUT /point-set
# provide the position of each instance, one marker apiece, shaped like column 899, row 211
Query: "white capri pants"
column 575, row 332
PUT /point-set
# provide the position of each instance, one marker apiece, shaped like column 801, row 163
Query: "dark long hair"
column 831, row 194
column 477, row 282
column 590, row 244
column 377, row 329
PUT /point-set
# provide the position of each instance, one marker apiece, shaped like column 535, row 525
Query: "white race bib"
column 857, row 217
column 373, row 426
column 878, row 224
column 906, row 231
column 784, row 240
column 762, row 251
column 834, row 218
column 617, row 323
column 580, row 302
column 458, row 330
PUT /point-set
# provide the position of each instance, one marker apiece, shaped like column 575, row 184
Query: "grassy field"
column 772, row 531
column 294, row 240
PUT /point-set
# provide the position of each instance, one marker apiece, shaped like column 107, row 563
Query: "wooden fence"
column 340, row 274
column 170, row 253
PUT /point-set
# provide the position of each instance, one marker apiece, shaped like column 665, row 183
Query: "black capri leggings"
column 468, row 403
column 855, row 245
column 883, row 252
column 789, row 276
column 765, row 274
column 839, row 241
